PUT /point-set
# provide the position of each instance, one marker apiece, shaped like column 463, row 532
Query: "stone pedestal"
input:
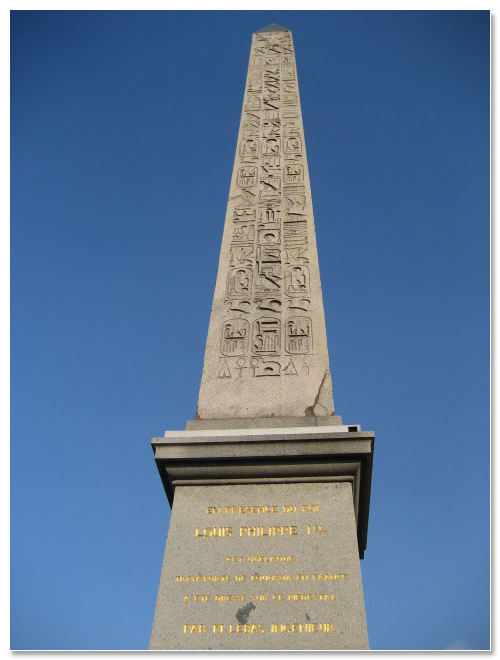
column 266, row 533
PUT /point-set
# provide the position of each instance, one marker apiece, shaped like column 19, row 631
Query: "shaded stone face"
column 266, row 352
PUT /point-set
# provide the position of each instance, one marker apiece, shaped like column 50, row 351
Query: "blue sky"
column 115, row 117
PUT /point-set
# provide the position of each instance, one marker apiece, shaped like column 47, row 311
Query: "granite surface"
column 266, row 352
column 254, row 567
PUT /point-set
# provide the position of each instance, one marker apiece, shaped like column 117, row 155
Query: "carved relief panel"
column 235, row 337
column 246, row 176
column 266, row 336
column 264, row 330
column 297, row 281
column 299, row 335
column 239, row 283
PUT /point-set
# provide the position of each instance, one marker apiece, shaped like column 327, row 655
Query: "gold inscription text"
column 275, row 530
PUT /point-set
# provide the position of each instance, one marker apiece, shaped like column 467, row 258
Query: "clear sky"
column 123, row 133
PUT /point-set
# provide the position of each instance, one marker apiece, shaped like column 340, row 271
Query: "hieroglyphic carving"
column 266, row 336
column 243, row 233
column 295, row 202
column 241, row 364
column 239, row 305
column 244, row 197
column 241, row 256
column 244, row 215
column 224, row 371
column 291, row 128
column 288, row 86
column 298, row 335
column 250, row 129
column 269, row 216
column 270, row 112
column 271, row 104
column 249, row 147
column 252, row 103
column 254, row 83
column 268, row 280
column 256, row 61
column 296, row 256
column 267, row 270
column 271, row 128
column 293, row 173
column 297, row 281
column 268, row 304
column 246, row 176
column 269, row 274
column 239, row 283
column 271, row 146
column 272, row 61
column 268, row 236
column 290, row 369
column 294, row 232
column 292, row 144
column 271, row 164
column 235, row 336
column 299, row 303
column 270, row 183
column 265, row 367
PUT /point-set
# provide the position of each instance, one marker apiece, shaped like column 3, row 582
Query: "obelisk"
column 269, row 491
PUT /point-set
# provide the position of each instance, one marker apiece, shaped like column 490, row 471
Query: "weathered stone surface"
column 266, row 353
column 281, row 572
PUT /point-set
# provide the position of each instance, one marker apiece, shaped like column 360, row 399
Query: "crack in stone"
column 310, row 412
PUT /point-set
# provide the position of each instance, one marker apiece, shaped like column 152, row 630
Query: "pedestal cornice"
column 270, row 455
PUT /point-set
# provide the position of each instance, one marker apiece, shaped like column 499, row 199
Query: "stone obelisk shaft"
column 271, row 491
column 266, row 353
